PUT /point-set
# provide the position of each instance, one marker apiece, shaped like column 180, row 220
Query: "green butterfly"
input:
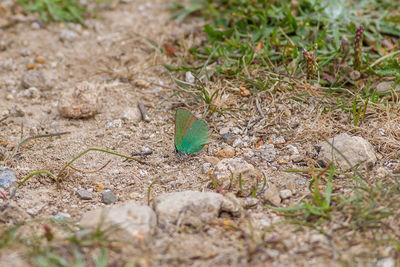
column 191, row 134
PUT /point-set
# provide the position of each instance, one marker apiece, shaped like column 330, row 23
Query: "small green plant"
column 199, row 92
column 320, row 203
column 46, row 247
column 61, row 173
column 56, row 10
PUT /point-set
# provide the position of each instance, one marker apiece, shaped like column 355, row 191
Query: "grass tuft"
column 56, row 10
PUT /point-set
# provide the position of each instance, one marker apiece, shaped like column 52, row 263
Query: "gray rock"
column 33, row 78
column 84, row 194
column 266, row 152
column 228, row 171
column 192, row 208
column 61, row 216
column 285, row 194
column 354, row 150
column 229, row 138
column 271, row 195
column 128, row 221
column 7, row 177
column 108, row 197
column 386, row 87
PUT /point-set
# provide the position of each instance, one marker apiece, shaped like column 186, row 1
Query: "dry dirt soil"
column 114, row 55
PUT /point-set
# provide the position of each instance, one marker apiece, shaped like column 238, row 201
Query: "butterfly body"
column 191, row 134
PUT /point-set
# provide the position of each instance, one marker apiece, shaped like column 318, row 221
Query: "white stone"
column 131, row 221
column 353, row 150
column 189, row 77
column 386, row 262
column 192, row 208
column 286, row 193
column 271, row 195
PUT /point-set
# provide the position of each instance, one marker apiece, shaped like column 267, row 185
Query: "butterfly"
column 191, row 134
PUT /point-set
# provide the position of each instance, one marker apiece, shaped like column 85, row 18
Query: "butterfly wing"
column 195, row 137
column 183, row 120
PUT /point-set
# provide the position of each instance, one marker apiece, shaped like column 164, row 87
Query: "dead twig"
column 87, row 172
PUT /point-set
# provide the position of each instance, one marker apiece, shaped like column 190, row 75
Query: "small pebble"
column 40, row 60
column 227, row 152
column 206, row 167
column 7, row 177
column 35, row 25
column 355, row 75
column 189, row 77
column 224, row 130
column 229, row 138
column 249, row 154
column 32, row 92
column 84, row 194
column 81, row 102
column 271, row 195
column 249, row 202
column 32, row 66
column 13, row 191
column 237, row 142
column 267, row 152
column 67, row 36
column 131, row 114
column 244, row 92
column 211, row 160
column 285, row 194
column 17, row 112
column 141, row 83
column 33, row 78
column 24, row 52
column 61, row 216
column 31, row 212
column 114, row 124
column 236, row 130
column 108, row 197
